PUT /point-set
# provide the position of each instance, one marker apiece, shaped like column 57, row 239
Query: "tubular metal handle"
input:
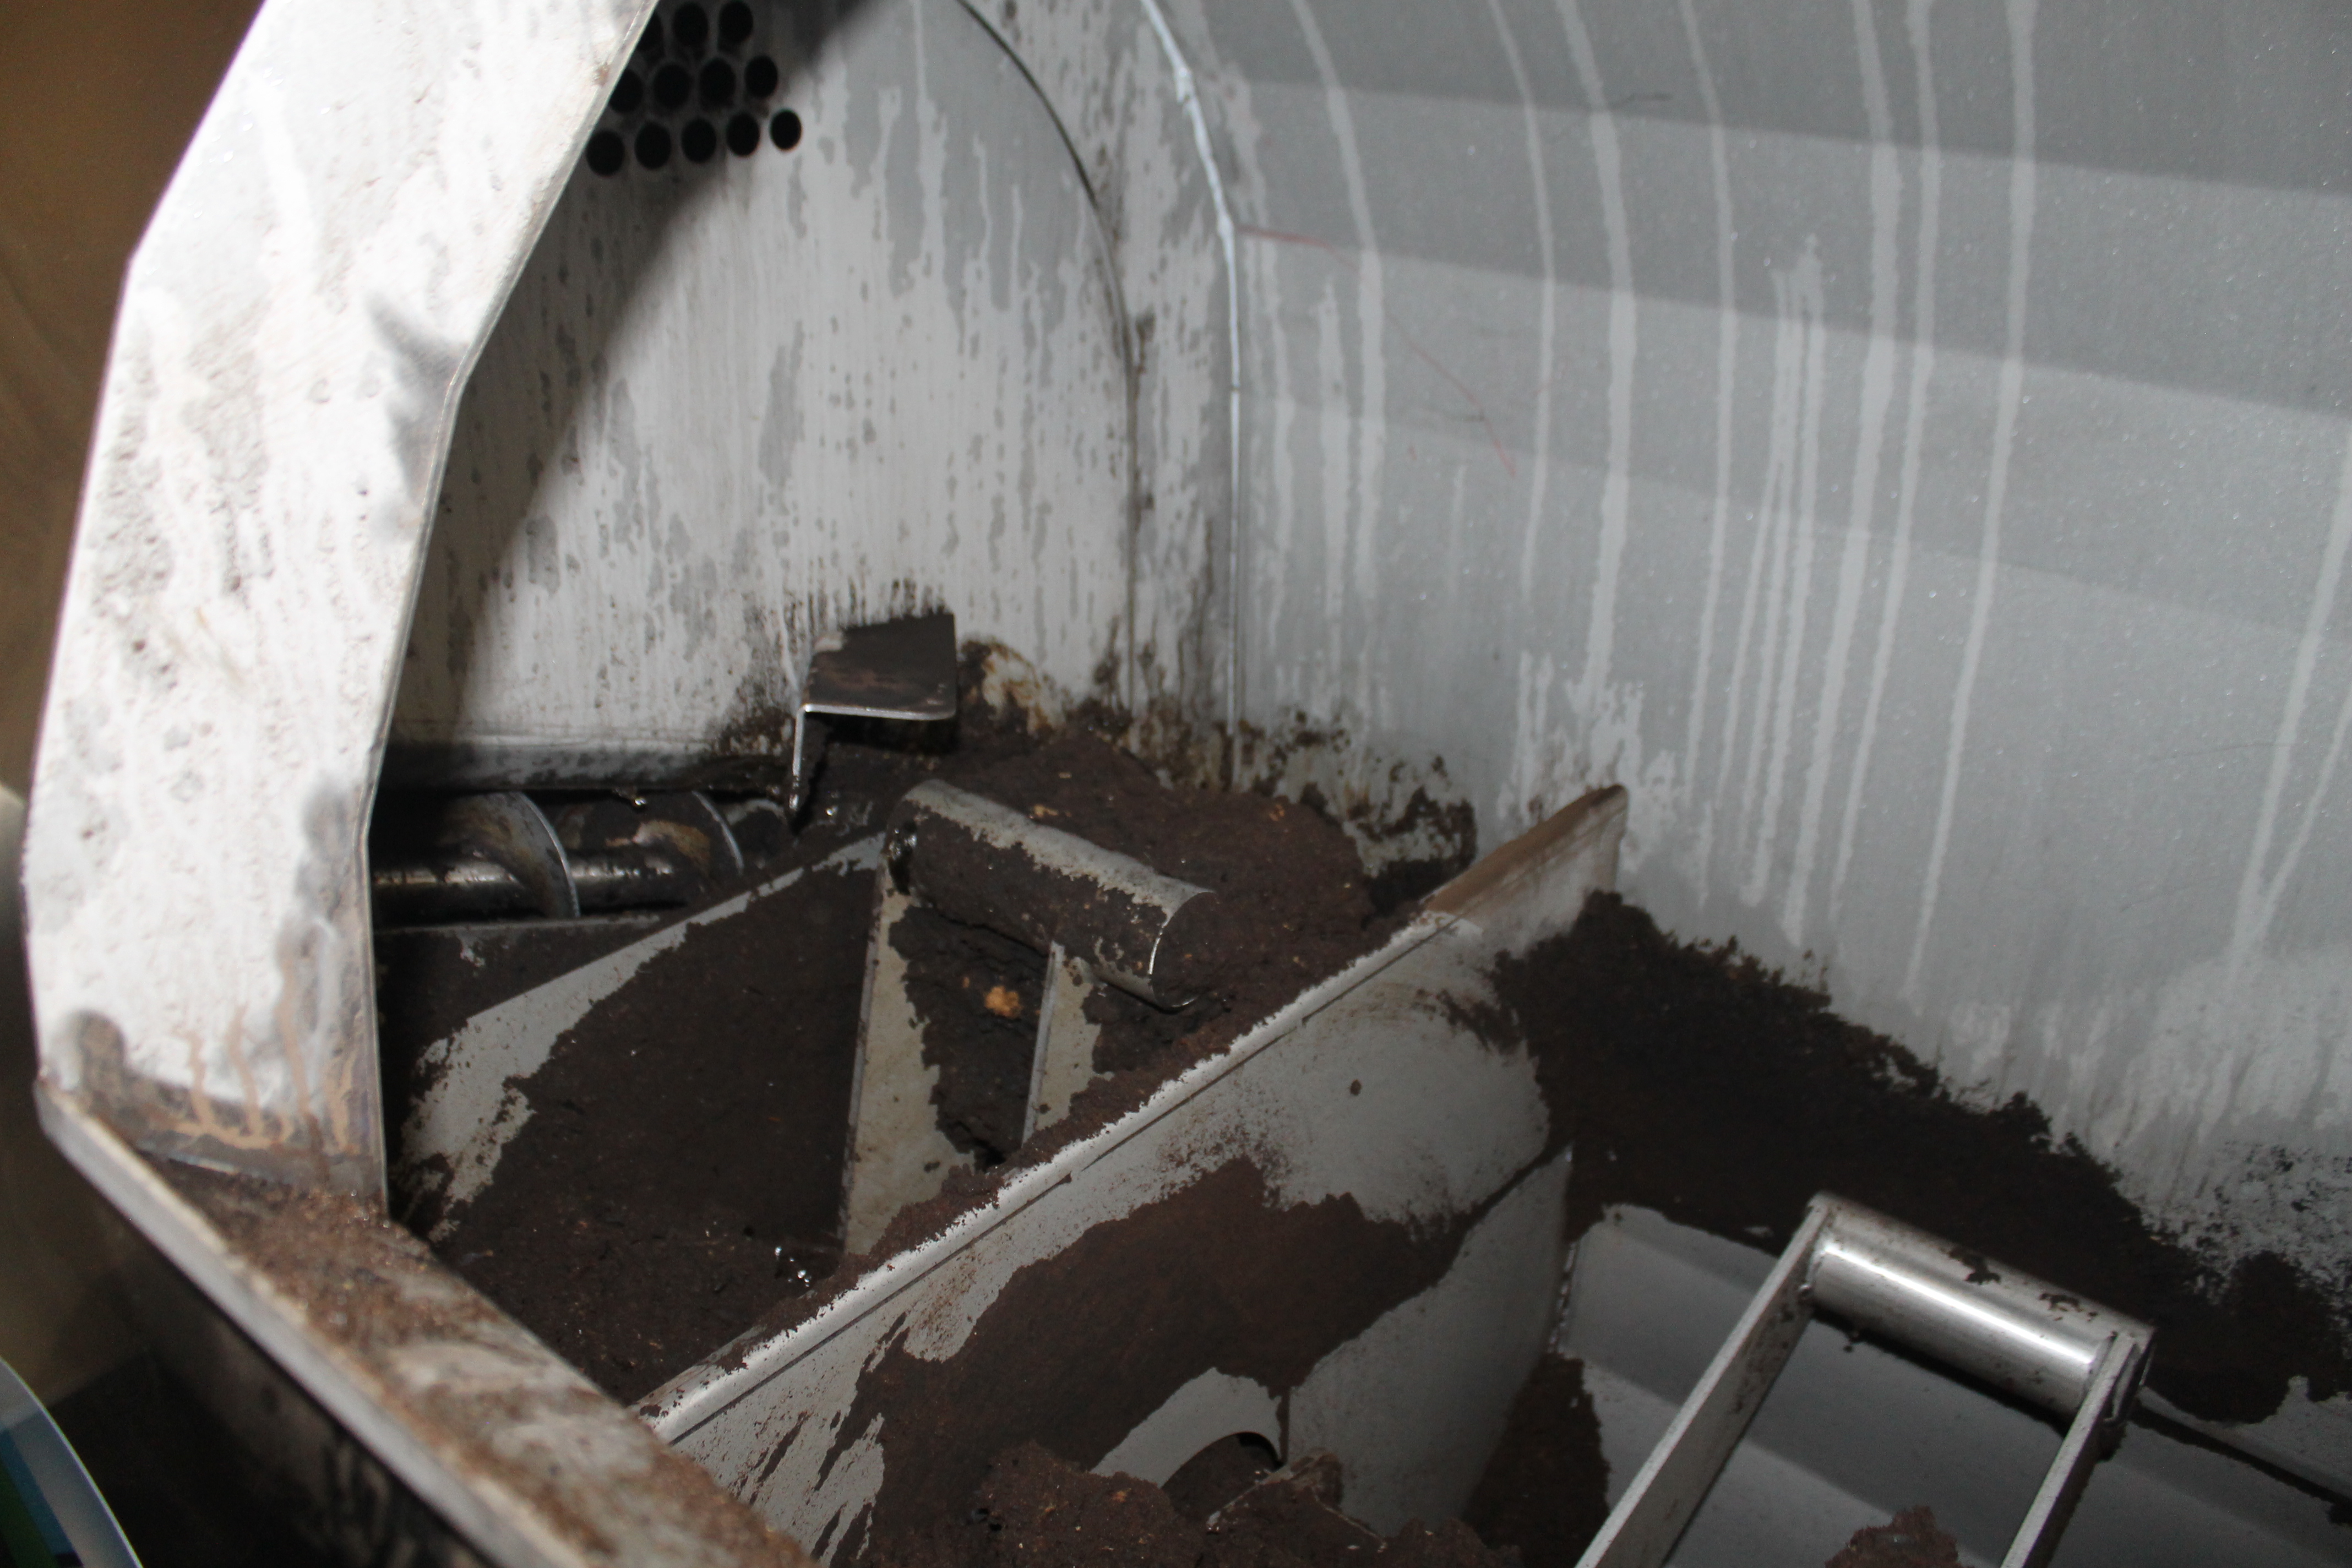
column 2066, row 1354
column 2009, row 1329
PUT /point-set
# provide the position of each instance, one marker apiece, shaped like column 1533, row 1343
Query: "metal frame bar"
column 2075, row 1359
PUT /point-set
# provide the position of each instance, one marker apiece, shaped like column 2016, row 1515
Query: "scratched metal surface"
column 1905, row 444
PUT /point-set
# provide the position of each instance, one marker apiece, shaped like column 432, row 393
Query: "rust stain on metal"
column 500, row 1410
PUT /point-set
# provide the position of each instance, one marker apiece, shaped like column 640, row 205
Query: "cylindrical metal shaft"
column 2011, row 1330
column 987, row 865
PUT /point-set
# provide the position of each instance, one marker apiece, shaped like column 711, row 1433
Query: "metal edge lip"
column 511, row 1534
column 694, row 1396
column 863, row 710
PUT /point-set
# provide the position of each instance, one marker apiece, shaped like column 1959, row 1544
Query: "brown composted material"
column 1294, row 904
column 374, row 1296
column 977, row 993
column 1911, row 1541
column 1219, row 1273
column 681, row 1168
column 1294, row 908
column 1034, row 1508
column 1699, row 1084
column 679, row 1178
column 1546, row 1490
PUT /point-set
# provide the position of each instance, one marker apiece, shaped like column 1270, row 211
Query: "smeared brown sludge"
column 1036, row 1508
column 678, row 1180
column 1686, row 1081
column 1546, row 1490
column 681, row 1167
column 374, row 1293
column 1699, row 1085
column 1078, row 1349
column 977, row 995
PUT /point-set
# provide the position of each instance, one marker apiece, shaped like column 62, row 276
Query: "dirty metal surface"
column 294, row 332
column 1952, row 1307
column 734, row 410
column 517, row 1450
column 902, row 669
column 1753, row 406
column 896, row 669
column 1355, row 1210
column 474, row 1090
column 985, row 864
column 1092, row 915
column 1124, row 93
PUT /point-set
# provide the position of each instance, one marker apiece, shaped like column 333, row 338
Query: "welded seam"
column 1129, row 358
column 1188, row 96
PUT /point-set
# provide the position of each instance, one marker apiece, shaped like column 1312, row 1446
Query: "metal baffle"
column 1099, row 917
column 2072, row 1358
column 903, row 669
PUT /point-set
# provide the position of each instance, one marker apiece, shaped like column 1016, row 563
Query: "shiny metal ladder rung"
column 2077, row 1359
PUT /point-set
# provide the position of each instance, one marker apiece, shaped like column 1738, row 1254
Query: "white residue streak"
column 2260, row 887
column 1877, row 394
column 1546, row 307
column 1792, row 490
column 1188, row 98
column 2004, row 441
column 1726, row 362
column 1349, row 511
column 1915, row 427
column 1601, row 630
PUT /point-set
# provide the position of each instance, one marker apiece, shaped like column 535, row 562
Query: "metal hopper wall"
column 1905, row 447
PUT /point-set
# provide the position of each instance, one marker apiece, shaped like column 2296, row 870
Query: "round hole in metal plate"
column 607, row 152
column 718, row 83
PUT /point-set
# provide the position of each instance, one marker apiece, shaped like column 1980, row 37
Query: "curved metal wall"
column 1906, row 444
column 731, row 408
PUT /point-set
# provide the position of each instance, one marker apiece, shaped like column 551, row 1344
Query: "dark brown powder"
column 1036, row 1510
column 1080, row 1348
column 681, row 1168
column 1546, row 1490
column 1910, row 1541
column 1698, row 1084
